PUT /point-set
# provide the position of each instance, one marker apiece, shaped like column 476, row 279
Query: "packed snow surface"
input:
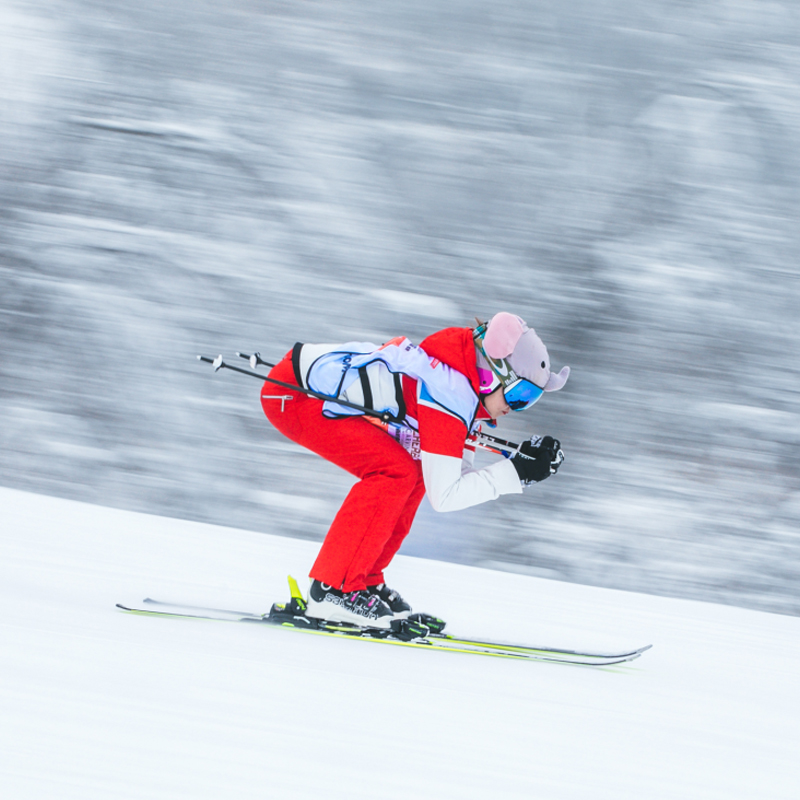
column 96, row 703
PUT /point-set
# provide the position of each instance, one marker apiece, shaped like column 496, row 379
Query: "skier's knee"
column 401, row 474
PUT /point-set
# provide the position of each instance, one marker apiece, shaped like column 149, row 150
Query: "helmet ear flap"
column 503, row 333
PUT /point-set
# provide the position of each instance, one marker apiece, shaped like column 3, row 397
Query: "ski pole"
column 495, row 444
column 501, row 446
column 484, row 440
column 255, row 360
column 511, row 450
column 218, row 364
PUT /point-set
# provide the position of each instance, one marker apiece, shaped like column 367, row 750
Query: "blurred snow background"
column 200, row 178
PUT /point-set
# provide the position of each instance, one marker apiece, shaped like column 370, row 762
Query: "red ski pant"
column 377, row 513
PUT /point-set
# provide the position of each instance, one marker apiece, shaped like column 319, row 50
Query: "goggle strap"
column 506, row 377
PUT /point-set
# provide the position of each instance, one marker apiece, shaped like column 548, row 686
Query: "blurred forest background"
column 195, row 177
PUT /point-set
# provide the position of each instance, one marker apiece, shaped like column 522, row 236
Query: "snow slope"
column 99, row 704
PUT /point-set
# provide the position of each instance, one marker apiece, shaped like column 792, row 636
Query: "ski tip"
column 638, row 653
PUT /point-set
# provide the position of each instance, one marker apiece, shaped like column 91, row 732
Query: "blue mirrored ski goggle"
column 522, row 394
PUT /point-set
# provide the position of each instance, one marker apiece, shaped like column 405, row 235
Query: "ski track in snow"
column 99, row 704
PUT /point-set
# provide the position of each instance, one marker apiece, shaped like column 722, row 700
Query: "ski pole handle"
column 512, row 450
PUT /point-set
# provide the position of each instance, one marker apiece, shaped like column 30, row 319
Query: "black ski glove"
column 538, row 459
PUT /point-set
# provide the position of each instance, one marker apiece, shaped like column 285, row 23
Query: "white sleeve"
column 451, row 489
column 468, row 459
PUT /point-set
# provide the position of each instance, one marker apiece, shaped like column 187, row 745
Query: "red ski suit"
column 377, row 514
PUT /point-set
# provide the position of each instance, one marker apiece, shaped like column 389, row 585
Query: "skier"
column 438, row 393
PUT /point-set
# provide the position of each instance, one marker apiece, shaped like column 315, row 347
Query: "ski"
column 342, row 630
column 456, row 640
column 283, row 616
column 533, row 649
